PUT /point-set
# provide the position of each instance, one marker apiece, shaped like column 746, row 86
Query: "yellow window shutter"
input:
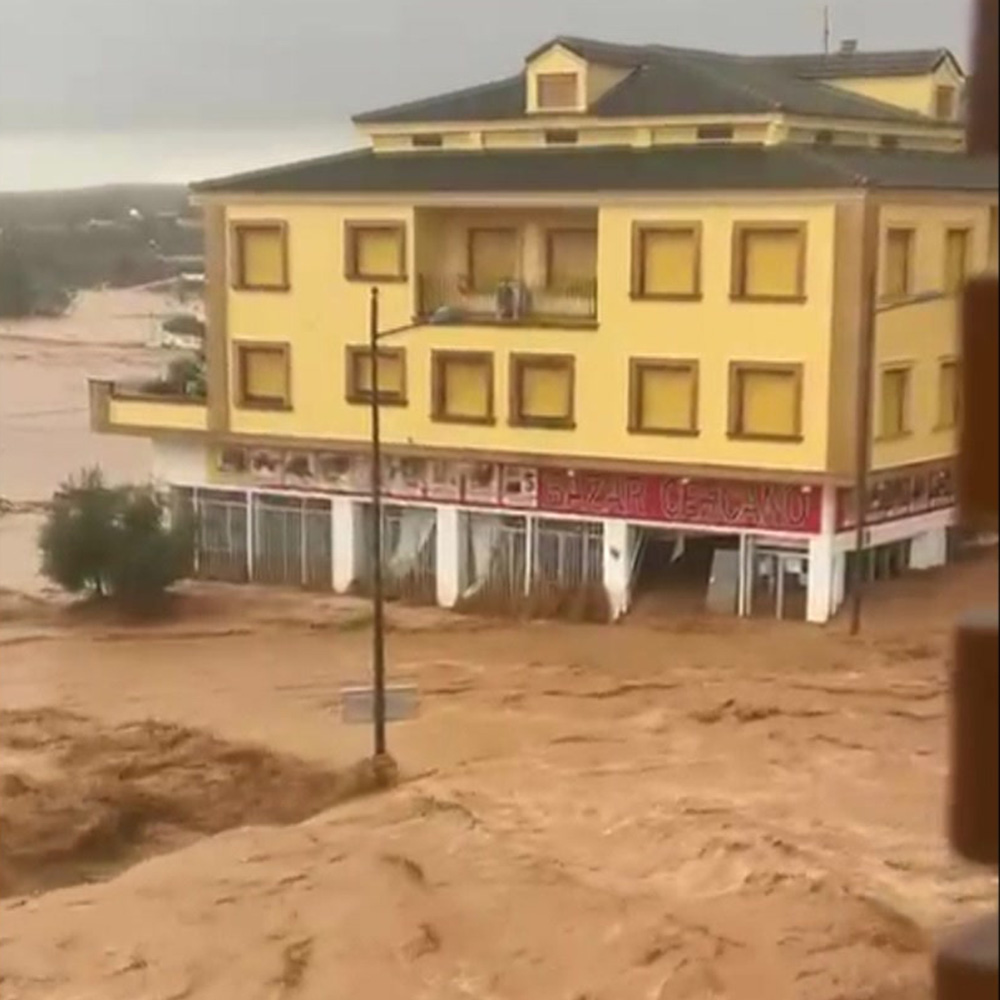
column 557, row 90
column 378, row 252
column 546, row 392
column 668, row 262
column 948, row 395
column 770, row 403
column 771, row 263
column 572, row 259
column 956, row 259
column 667, row 399
column 492, row 257
column 262, row 256
column 265, row 374
column 894, row 392
column 466, row 388
column 390, row 373
column 898, row 251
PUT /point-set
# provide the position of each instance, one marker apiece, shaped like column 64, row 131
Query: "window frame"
column 519, row 362
column 427, row 140
column 911, row 254
column 737, row 289
column 353, row 228
column 238, row 228
column 891, row 367
column 353, row 393
column 439, row 359
column 636, row 368
column 952, row 422
column 737, row 369
column 565, row 74
column 640, row 230
column 561, row 137
column 719, row 133
column 244, row 401
column 550, row 235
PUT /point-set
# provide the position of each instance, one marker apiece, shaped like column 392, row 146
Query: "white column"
column 929, row 549
column 448, row 539
column 819, row 595
column 839, row 589
column 617, row 566
column 344, row 520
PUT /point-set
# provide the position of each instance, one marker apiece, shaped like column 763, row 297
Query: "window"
column 666, row 261
column 889, row 142
column 766, row 402
column 898, row 281
column 769, row 262
column 427, row 140
column 391, row 375
column 541, row 390
column 375, row 251
column 824, row 137
column 561, row 136
column 462, row 386
column 263, row 376
column 949, row 394
column 557, row 91
column 493, row 258
column 663, row 396
column 944, row 102
column 571, row 260
column 956, row 263
column 894, row 417
column 715, row 133
column 260, row 256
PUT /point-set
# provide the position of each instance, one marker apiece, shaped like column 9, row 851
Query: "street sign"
column 358, row 703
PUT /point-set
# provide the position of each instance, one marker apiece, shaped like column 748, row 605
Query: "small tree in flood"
column 115, row 542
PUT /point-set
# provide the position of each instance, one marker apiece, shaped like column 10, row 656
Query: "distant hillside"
column 74, row 207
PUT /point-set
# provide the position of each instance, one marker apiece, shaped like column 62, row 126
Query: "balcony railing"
column 509, row 302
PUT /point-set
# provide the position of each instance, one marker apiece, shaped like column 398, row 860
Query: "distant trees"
column 27, row 287
column 116, row 542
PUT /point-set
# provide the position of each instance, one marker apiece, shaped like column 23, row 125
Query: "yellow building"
column 634, row 285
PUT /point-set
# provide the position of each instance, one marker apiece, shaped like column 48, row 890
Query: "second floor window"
column 541, row 392
column 894, row 408
column 391, row 375
column 769, row 262
column 571, row 260
column 948, row 395
column 493, row 258
column 898, row 279
column 956, row 265
column 666, row 261
column 263, row 376
column 556, row 91
column 766, row 402
column 462, row 387
column 663, row 396
column 260, row 256
column 375, row 251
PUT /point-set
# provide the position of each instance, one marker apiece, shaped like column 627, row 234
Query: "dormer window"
column 557, row 91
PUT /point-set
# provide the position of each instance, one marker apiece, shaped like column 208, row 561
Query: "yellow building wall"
column 170, row 415
column 916, row 93
column 323, row 312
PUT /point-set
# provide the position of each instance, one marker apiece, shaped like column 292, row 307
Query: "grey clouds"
column 189, row 63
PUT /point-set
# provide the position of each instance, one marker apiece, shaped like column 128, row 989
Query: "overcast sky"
column 184, row 63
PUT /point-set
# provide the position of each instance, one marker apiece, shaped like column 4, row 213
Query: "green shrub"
column 114, row 542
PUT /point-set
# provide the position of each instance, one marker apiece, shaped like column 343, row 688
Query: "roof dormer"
column 561, row 80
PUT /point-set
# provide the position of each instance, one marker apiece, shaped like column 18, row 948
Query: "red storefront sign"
column 895, row 495
column 712, row 503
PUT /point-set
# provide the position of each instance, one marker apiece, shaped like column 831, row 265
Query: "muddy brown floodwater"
column 702, row 809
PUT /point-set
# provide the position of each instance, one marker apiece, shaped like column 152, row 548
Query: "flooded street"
column 694, row 809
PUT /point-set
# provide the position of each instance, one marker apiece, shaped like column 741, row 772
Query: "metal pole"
column 866, row 378
column 378, row 599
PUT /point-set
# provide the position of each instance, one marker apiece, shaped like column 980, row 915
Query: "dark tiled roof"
column 856, row 64
column 669, row 81
column 676, row 168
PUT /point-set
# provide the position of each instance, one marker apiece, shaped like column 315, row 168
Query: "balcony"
column 508, row 302
column 138, row 408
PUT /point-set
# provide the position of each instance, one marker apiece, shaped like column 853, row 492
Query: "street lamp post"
column 438, row 318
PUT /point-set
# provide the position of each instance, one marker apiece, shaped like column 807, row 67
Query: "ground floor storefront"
column 592, row 544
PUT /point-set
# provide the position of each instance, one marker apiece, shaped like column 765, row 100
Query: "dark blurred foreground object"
column 966, row 962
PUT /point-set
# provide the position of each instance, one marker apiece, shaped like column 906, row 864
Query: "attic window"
column 427, row 140
column 715, row 133
column 889, row 142
column 824, row 137
column 556, row 91
column 561, row 136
